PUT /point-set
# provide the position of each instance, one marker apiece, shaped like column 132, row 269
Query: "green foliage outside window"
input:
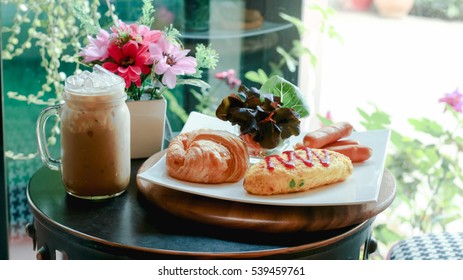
column 445, row 9
column 289, row 59
column 427, row 164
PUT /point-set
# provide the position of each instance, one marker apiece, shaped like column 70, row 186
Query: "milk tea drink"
column 95, row 136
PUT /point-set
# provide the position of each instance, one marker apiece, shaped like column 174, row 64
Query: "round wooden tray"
column 263, row 218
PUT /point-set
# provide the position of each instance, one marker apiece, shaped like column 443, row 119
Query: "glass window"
column 375, row 63
column 398, row 67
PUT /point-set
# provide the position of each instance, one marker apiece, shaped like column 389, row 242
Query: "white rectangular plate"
column 361, row 187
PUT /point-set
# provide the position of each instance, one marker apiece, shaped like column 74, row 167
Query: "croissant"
column 207, row 156
column 296, row 171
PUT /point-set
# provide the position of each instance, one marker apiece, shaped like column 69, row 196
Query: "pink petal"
column 181, row 54
column 169, row 79
column 111, row 66
column 130, row 49
column 155, row 53
column 176, row 70
column 221, row 75
column 134, row 72
column 144, row 68
column 126, row 79
column 188, row 65
column 161, row 67
column 122, row 70
column 115, row 52
column 134, row 75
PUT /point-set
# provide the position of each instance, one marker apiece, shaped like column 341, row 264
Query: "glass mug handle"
column 52, row 163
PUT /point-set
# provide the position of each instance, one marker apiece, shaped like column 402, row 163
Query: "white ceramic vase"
column 147, row 127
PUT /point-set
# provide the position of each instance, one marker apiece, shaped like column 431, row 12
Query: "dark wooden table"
column 131, row 226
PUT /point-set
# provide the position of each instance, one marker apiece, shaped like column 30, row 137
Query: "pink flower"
column 97, row 49
column 129, row 62
column 148, row 36
column 124, row 30
column 170, row 61
column 454, row 99
column 139, row 33
column 230, row 78
column 165, row 15
column 329, row 116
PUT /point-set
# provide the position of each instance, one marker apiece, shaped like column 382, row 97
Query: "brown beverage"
column 95, row 136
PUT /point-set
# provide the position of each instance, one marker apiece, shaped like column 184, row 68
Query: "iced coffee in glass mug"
column 95, row 135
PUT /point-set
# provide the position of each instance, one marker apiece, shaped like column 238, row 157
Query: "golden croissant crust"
column 207, row 156
column 296, row 171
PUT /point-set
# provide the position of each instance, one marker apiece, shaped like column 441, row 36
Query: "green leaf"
column 290, row 61
column 276, row 69
column 396, row 138
column 299, row 24
column 445, row 219
column 375, row 120
column 261, row 115
column 313, row 59
column 174, row 106
column 324, row 12
column 253, row 76
column 325, row 121
column 194, row 82
column 427, row 126
column 432, row 154
column 289, row 94
column 198, row 96
column 288, row 123
column 91, row 26
column 258, row 76
column 387, row 235
column 147, row 17
column 333, row 34
column 299, row 49
column 262, row 75
column 206, row 57
column 363, row 114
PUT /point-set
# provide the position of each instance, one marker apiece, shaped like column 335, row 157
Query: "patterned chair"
column 439, row 246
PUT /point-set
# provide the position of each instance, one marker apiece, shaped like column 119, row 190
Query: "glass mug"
column 95, row 135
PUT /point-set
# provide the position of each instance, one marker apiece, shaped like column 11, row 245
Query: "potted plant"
column 394, row 8
column 151, row 62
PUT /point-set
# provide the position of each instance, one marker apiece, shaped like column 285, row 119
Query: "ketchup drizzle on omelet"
column 292, row 155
